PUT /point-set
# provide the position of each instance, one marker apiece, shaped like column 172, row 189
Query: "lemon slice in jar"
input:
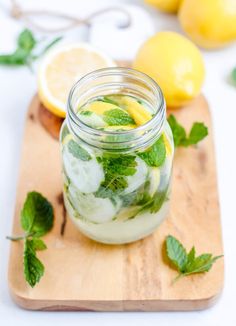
column 61, row 68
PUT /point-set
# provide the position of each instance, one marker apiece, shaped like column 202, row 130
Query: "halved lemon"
column 62, row 67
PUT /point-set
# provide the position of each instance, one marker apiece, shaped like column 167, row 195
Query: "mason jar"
column 116, row 181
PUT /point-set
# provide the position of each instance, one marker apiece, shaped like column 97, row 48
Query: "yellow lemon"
column 175, row 64
column 61, row 68
column 165, row 5
column 209, row 23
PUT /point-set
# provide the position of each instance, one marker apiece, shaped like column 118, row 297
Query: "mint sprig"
column 187, row 263
column 23, row 54
column 198, row 132
column 36, row 220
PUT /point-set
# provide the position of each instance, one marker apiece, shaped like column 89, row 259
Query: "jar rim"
column 157, row 119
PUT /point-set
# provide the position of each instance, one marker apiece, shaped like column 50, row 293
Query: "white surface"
column 16, row 89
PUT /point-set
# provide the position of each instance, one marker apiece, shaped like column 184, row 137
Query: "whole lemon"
column 209, row 23
column 175, row 63
column 165, row 5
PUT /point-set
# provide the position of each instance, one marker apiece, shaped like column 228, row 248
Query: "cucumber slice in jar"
column 85, row 175
column 139, row 178
column 96, row 210
column 91, row 119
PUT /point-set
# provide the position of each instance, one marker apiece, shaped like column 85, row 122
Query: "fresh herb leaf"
column 77, row 151
column 116, row 168
column 198, row 132
column 26, row 40
column 117, row 117
column 106, row 99
column 187, row 264
column 36, row 215
column 33, row 268
column 86, row 113
column 37, row 244
column 233, row 75
column 23, row 54
column 156, row 154
column 36, row 220
column 176, row 253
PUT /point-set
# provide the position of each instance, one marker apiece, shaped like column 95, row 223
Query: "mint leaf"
column 156, row 154
column 106, row 99
column 37, row 214
column 37, row 244
column 33, row 268
column 187, row 264
column 116, row 168
column 117, row 117
column 176, row 253
column 26, row 40
column 86, row 113
column 77, row 151
column 233, row 75
column 198, row 132
column 22, row 55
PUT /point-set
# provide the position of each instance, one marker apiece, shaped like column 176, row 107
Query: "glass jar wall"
column 117, row 151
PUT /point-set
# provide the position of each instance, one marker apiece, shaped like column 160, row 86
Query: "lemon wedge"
column 136, row 110
column 62, row 67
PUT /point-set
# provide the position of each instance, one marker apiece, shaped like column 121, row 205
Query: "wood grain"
column 84, row 275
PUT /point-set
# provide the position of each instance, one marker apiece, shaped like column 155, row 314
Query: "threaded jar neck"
column 124, row 81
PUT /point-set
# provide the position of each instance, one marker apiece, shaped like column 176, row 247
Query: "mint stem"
column 179, row 276
column 20, row 237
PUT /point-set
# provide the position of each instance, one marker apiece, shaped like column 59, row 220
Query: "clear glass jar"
column 132, row 205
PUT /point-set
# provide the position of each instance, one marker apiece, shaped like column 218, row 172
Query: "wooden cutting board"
column 81, row 274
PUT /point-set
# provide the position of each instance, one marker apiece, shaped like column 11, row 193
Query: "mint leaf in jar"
column 118, row 117
column 36, row 215
column 116, row 168
column 77, row 151
column 156, row 154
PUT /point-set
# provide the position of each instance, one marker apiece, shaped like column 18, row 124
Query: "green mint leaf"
column 106, row 99
column 200, row 264
column 37, row 244
column 116, row 168
column 233, row 75
column 77, row 151
column 188, row 264
column 156, row 154
column 37, row 214
column 19, row 57
column 26, row 40
column 176, row 253
column 198, row 132
column 86, row 113
column 117, row 117
column 33, row 268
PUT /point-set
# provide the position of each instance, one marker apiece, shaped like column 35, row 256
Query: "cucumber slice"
column 93, row 120
column 96, row 210
column 155, row 178
column 85, row 175
column 139, row 178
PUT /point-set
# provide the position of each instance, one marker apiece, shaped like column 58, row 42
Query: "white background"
column 18, row 85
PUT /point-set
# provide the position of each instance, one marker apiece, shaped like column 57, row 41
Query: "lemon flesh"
column 61, row 68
